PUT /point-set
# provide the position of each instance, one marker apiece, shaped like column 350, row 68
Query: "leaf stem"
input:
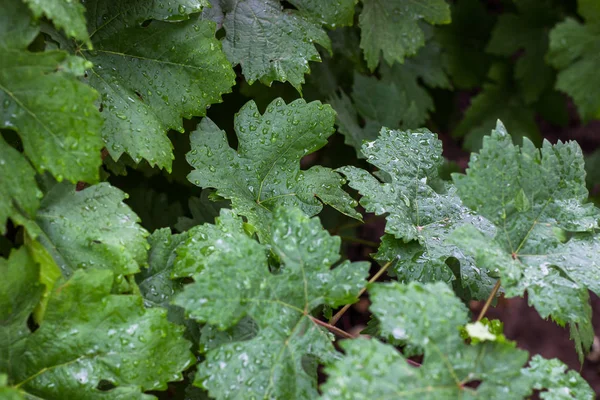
column 489, row 300
column 332, row 328
column 339, row 314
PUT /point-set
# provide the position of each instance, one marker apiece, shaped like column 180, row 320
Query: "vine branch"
column 339, row 314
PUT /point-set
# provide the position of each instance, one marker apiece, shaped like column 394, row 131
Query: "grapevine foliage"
column 156, row 243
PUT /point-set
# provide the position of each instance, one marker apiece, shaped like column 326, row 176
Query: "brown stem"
column 489, row 300
column 339, row 314
column 332, row 328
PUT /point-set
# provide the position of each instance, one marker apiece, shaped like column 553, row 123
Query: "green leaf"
column 330, row 13
column 464, row 41
column 421, row 211
column 89, row 336
column 392, row 27
column 91, row 228
column 203, row 209
column 499, row 99
column 265, row 172
column 397, row 100
column 149, row 77
column 45, row 102
column 20, row 292
column 548, row 248
column 528, row 31
column 276, row 361
column 271, row 43
column 19, row 193
column 66, row 15
column 574, row 51
column 430, row 316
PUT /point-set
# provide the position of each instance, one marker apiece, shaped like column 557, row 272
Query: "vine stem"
column 347, row 335
column 339, row 314
column 489, row 300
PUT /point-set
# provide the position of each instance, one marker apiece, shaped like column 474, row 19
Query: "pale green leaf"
column 65, row 14
column 421, row 211
column 392, row 27
column 265, row 172
column 91, row 228
column 277, row 361
column 90, row 335
column 19, row 193
column 548, row 248
column 575, row 52
column 430, row 316
column 271, row 43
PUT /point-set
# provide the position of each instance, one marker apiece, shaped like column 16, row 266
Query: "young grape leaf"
column 278, row 362
column 147, row 86
column 265, row 170
column 45, row 102
column 499, row 99
column 545, row 242
column 392, row 27
column 90, row 336
column 271, row 43
column 527, row 30
column 19, row 193
column 91, row 228
column 574, row 52
column 430, row 316
column 421, row 210
column 464, row 41
column 66, row 15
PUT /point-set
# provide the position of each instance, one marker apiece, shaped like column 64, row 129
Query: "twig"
column 332, row 328
column 347, row 335
column 339, row 314
column 489, row 300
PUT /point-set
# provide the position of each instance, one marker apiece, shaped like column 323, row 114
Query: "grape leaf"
column 397, row 100
column 574, row 49
column 527, row 30
column 20, row 292
column 545, row 242
column 19, row 193
column 66, row 15
column 392, row 27
column 333, row 14
column 464, row 41
column 88, row 336
column 421, row 210
column 44, row 101
column 151, row 76
column 91, row 228
column 272, row 363
column 271, row 43
column 499, row 99
column 430, row 316
column 265, row 170
column 203, row 209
